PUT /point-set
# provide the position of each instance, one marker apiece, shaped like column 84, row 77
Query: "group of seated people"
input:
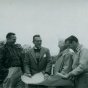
column 73, row 65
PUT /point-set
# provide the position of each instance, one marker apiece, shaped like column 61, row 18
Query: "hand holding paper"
column 55, row 80
column 67, row 76
column 46, row 76
column 29, row 75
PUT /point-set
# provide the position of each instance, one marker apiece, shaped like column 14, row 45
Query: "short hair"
column 9, row 34
column 71, row 39
column 35, row 36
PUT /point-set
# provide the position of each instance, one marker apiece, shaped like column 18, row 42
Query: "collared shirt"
column 80, row 61
column 37, row 54
column 37, row 49
column 79, row 47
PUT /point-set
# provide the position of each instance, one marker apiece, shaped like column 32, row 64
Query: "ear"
column 73, row 42
column 8, row 39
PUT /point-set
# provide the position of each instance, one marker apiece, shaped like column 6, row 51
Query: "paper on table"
column 37, row 78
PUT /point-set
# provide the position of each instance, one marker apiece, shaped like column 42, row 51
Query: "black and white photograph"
column 44, row 44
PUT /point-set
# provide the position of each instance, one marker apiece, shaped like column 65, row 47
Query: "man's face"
column 12, row 39
column 37, row 41
column 70, row 45
column 62, row 48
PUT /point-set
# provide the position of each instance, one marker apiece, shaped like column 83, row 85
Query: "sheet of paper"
column 37, row 78
column 53, row 80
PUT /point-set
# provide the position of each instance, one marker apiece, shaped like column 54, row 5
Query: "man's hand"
column 67, row 76
column 46, row 76
column 26, row 74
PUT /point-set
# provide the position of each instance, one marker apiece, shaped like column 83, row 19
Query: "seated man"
column 37, row 60
column 11, row 63
column 63, row 61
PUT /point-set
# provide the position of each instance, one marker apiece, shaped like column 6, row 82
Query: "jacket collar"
column 36, row 48
column 63, row 52
column 79, row 47
column 33, row 53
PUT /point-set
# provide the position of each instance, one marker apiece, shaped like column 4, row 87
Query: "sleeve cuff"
column 47, row 73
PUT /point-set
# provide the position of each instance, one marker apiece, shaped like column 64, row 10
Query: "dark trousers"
column 81, row 81
column 64, row 87
column 37, row 86
column 1, row 84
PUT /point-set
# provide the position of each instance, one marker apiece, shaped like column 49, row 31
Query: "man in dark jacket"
column 10, row 63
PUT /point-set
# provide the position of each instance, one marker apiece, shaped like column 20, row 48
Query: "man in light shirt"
column 80, row 63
